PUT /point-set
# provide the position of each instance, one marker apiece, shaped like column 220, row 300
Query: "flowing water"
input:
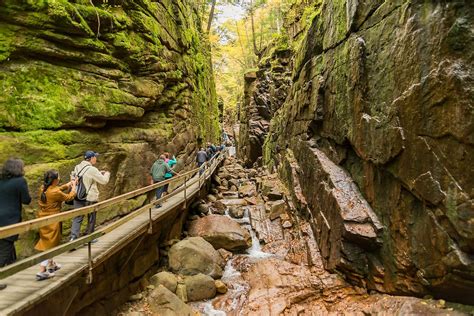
column 237, row 286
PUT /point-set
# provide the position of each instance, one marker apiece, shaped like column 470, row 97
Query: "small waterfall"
column 237, row 286
column 255, row 252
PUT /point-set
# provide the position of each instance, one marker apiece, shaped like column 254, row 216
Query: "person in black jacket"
column 13, row 193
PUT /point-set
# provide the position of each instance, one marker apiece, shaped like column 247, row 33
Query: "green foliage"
column 233, row 45
column 43, row 145
column 6, row 37
column 32, row 100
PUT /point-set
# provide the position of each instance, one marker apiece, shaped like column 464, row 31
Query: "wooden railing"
column 186, row 179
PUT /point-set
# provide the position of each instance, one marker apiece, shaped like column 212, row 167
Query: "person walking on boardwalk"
column 201, row 158
column 90, row 177
column 51, row 198
column 211, row 151
column 171, row 163
column 157, row 172
column 13, row 193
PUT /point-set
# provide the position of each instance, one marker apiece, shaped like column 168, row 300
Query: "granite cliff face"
column 264, row 92
column 129, row 79
column 376, row 139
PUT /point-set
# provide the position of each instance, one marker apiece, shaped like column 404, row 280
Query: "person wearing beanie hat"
column 91, row 176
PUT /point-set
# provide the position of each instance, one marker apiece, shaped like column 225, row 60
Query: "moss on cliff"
column 129, row 81
column 380, row 88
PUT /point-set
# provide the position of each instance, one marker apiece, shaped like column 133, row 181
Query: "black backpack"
column 81, row 192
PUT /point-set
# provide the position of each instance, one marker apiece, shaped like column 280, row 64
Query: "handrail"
column 36, row 223
column 30, row 261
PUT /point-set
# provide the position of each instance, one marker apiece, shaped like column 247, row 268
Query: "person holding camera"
column 51, row 197
column 88, row 177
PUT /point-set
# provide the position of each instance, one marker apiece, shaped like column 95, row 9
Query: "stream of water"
column 237, row 286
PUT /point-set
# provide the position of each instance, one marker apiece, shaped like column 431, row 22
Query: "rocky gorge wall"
column 265, row 91
column 376, row 139
column 127, row 78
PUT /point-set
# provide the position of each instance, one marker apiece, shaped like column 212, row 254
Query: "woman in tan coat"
column 51, row 198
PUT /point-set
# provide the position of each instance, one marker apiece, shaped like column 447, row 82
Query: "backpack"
column 81, row 192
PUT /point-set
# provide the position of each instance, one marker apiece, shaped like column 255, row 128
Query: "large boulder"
column 195, row 255
column 221, row 232
column 167, row 279
column 164, row 303
column 200, row 287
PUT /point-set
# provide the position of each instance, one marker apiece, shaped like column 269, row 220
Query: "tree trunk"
column 278, row 11
column 254, row 40
column 241, row 45
column 211, row 16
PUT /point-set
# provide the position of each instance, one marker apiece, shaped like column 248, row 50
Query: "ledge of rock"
column 221, row 232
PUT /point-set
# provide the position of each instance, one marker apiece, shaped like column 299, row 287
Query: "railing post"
column 89, row 252
column 150, row 226
column 199, row 177
column 185, row 189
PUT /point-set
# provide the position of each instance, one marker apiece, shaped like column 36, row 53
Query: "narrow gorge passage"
column 349, row 188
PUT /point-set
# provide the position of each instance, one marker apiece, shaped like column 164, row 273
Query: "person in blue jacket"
column 171, row 163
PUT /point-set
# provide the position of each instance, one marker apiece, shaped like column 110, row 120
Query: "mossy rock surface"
column 129, row 81
column 384, row 90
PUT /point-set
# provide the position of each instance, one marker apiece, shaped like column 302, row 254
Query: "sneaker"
column 55, row 267
column 157, row 206
column 93, row 241
column 40, row 276
column 2, row 286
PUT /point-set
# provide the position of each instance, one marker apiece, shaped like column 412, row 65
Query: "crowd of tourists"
column 81, row 190
column 206, row 154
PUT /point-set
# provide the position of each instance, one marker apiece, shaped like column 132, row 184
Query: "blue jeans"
column 160, row 190
column 202, row 168
column 77, row 221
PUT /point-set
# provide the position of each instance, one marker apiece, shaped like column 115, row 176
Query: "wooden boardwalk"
column 23, row 291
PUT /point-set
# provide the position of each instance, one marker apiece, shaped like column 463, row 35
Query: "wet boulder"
column 167, row 279
column 195, row 255
column 163, row 302
column 221, row 287
column 199, row 287
column 221, row 232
